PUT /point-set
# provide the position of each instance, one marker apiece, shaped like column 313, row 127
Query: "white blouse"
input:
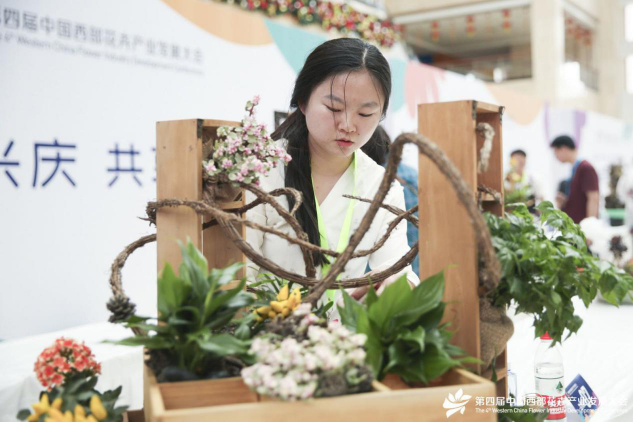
column 333, row 209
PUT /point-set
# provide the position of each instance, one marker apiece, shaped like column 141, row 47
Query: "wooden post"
column 178, row 175
column 447, row 239
column 179, row 156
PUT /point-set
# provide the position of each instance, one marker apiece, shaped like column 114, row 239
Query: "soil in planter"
column 332, row 385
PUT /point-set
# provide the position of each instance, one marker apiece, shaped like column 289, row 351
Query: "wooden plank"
column 134, row 416
column 447, row 240
column 216, row 123
column 204, row 393
column 402, row 405
column 493, row 178
column 502, row 383
column 382, row 404
column 152, row 399
column 178, row 175
column 487, row 108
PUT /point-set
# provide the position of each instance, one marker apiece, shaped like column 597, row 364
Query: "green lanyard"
column 343, row 239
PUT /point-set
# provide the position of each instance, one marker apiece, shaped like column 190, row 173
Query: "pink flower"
column 80, row 364
column 63, row 358
column 57, row 379
column 48, row 371
column 256, row 100
column 227, row 163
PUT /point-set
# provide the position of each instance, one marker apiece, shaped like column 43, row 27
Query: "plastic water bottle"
column 549, row 377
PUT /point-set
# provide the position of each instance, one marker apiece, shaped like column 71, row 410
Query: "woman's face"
column 342, row 113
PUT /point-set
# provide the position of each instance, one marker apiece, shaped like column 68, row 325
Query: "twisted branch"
column 448, row 169
column 229, row 219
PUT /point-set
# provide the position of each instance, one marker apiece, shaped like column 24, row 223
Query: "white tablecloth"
column 601, row 351
column 120, row 365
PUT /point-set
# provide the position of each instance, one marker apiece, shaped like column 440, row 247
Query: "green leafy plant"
column 517, row 195
column 77, row 397
column 405, row 335
column 541, row 273
column 198, row 327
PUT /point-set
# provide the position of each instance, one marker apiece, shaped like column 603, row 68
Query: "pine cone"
column 121, row 308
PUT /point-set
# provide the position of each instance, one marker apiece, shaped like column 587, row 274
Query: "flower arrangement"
column 318, row 359
column 65, row 358
column 68, row 371
column 331, row 15
column 244, row 153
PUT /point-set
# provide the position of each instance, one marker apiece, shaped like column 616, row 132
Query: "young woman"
column 340, row 96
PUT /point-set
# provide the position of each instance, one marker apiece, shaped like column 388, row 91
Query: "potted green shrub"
column 542, row 272
column 201, row 331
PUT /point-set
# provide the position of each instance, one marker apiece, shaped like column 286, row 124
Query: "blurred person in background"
column 519, row 186
column 408, row 178
column 581, row 198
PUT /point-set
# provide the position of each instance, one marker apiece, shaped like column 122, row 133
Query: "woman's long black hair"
column 334, row 57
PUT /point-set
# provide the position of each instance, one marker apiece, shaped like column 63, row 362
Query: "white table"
column 601, row 351
column 120, row 366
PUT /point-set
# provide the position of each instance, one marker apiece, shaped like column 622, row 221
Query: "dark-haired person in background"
column 340, row 95
column 408, row 178
column 582, row 196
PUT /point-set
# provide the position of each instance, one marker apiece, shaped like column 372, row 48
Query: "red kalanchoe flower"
column 65, row 357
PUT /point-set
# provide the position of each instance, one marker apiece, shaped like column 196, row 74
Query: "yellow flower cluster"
column 54, row 413
column 282, row 307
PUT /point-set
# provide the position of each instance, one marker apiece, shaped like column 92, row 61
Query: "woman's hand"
column 360, row 292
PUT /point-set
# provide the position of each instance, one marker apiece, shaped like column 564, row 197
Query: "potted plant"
column 69, row 372
column 543, row 271
column 405, row 335
column 201, row 331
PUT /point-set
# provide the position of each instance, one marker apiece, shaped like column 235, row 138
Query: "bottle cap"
column 546, row 336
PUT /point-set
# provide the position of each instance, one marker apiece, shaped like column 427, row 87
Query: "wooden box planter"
column 179, row 175
column 230, row 399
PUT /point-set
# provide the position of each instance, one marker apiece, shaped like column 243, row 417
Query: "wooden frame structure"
column 179, row 156
column 447, row 238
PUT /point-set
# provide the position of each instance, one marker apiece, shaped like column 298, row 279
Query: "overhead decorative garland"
column 341, row 17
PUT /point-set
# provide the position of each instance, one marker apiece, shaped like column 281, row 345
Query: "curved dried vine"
column 228, row 219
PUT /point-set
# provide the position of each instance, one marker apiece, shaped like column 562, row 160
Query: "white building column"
column 548, row 47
